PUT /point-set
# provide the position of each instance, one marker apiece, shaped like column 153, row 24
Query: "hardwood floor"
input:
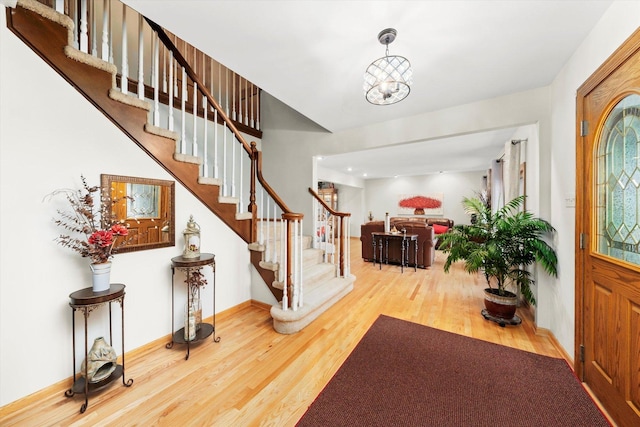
column 255, row 376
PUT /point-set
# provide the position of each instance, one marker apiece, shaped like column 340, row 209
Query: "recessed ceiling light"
column 364, row 174
column 349, row 169
column 320, row 157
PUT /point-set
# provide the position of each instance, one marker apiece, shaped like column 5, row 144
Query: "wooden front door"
column 608, row 228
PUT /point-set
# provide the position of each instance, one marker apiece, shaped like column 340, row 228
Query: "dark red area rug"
column 406, row 374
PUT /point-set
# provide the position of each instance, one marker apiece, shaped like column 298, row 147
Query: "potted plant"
column 502, row 245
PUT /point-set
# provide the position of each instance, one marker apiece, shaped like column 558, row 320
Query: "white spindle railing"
column 105, row 31
column 332, row 235
column 98, row 21
column 124, row 68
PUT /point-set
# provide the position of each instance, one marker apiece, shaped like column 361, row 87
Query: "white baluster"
column 233, row 96
column 140, row 59
column 300, row 267
column 205, row 114
column 92, row 21
column 246, row 102
column 283, row 248
column 194, row 147
column 241, row 198
column 215, row 144
column 163, row 58
column 219, row 85
column 240, row 109
column 294, row 276
column 233, row 166
column 205, row 144
column 283, row 265
column 261, row 237
column 110, row 34
column 268, row 229
column 253, row 122
column 258, row 109
column 105, row 30
column 275, row 233
column 84, row 27
column 124, row 81
column 156, row 76
column 183, row 142
column 226, row 72
column 171, row 87
column 224, row 161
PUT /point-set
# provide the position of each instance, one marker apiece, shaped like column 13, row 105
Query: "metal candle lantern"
column 191, row 239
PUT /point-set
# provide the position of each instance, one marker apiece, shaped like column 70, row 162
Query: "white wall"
column 382, row 195
column 289, row 138
column 556, row 306
column 551, row 108
column 49, row 136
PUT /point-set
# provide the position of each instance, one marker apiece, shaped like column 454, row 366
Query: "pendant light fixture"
column 388, row 79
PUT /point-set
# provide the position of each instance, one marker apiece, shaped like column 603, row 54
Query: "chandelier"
column 388, row 79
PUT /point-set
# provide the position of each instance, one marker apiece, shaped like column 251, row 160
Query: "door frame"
column 630, row 47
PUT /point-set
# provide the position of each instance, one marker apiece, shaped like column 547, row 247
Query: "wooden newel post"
column 252, row 193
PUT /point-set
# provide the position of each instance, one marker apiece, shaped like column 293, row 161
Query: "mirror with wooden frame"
column 147, row 208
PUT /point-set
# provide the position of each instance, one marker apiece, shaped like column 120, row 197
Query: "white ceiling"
column 311, row 55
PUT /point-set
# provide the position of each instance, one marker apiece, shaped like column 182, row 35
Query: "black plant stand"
column 204, row 329
column 85, row 300
column 499, row 320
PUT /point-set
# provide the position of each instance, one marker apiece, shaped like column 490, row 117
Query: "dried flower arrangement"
column 101, row 237
column 196, row 278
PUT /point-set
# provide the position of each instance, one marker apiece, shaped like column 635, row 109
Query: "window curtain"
column 511, row 170
column 497, row 192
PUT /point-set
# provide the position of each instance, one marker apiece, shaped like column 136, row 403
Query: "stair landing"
column 317, row 299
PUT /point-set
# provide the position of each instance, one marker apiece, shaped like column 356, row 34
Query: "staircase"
column 169, row 111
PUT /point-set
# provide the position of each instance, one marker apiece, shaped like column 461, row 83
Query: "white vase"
column 101, row 276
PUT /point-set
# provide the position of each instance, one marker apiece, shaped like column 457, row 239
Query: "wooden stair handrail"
column 162, row 35
column 250, row 149
column 276, row 198
column 324, row 204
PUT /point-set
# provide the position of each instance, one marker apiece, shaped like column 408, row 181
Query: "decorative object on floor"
column 388, row 79
column 420, row 204
column 403, row 373
column 90, row 234
column 501, row 245
column 100, row 362
column 191, row 239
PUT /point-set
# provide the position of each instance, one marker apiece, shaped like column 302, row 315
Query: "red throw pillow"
column 439, row 229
